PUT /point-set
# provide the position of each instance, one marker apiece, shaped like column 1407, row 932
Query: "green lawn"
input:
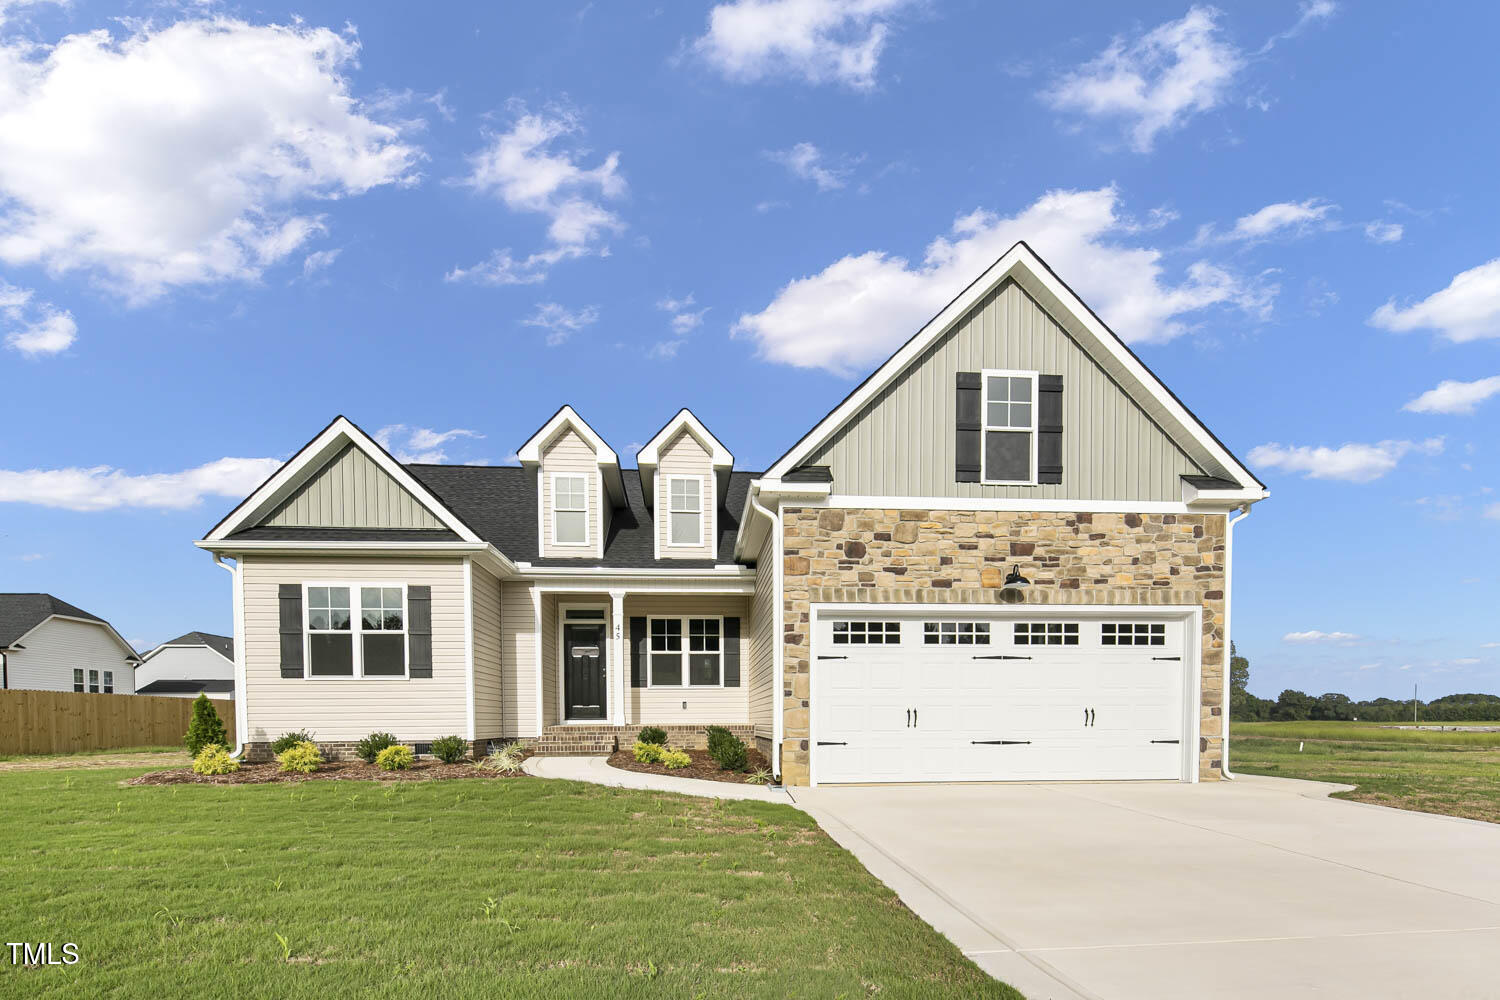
column 5, row 758
column 1457, row 774
column 503, row 888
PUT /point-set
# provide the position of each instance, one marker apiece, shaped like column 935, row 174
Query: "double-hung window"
column 93, row 681
column 685, row 509
column 570, row 510
column 109, row 682
column 704, row 652
column 77, row 680
column 1010, row 427
column 341, row 643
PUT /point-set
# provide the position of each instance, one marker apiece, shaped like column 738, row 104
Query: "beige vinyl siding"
column 684, row 456
column 569, row 453
column 337, row 709
column 489, row 679
column 760, row 673
column 902, row 442
column 351, row 491
column 59, row 645
column 704, row 704
column 518, row 654
column 551, row 710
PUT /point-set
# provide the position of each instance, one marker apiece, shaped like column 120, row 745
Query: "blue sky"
column 222, row 225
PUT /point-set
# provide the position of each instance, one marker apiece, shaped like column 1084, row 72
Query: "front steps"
column 590, row 739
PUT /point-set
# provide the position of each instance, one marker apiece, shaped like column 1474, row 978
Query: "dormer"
column 684, row 473
column 578, row 486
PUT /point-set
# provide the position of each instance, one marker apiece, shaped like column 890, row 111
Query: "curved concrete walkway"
column 598, row 771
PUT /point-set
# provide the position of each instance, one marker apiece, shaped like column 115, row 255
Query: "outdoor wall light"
column 1013, row 591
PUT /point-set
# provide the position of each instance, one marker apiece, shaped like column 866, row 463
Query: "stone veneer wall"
column 960, row 557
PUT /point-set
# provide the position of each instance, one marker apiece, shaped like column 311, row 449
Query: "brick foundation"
column 257, row 753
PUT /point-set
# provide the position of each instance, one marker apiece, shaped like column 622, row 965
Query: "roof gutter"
column 752, row 499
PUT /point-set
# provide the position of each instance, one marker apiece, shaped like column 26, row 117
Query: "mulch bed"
column 338, row 770
column 703, row 766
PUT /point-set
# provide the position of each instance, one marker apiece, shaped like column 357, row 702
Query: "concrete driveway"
column 1257, row 888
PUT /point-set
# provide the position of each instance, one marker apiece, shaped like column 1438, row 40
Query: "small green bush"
column 215, row 759
column 648, row 753
column 673, row 759
column 206, row 727
column 369, row 748
column 727, row 749
column 397, row 757
column 286, row 741
column 303, row 758
column 450, row 749
column 760, row 776
column 717, row 737
column 653, row 734
column 506, row 759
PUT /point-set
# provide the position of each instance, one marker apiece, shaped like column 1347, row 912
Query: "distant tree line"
column 1295, row 706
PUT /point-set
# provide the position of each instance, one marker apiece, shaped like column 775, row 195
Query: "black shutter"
column 638, row 638
column 1049, row 425
column 731, row 652
column 968, row 400
column 290, row 598
column 419, row 631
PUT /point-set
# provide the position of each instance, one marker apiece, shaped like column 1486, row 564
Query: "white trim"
column 1031, row 273
column 130, row 650
column 1024, row 504
column 719, row 572
column 587, row 511
column 241, row 699
column 287, row 479
column 502, row 566
column 356, row 632
column 1228, row 498
column 702, row 514
column 778, row 648
column 183, row 645
column 985, row 375
column 684, row 652
column 566, row 417
column 685, row 419
column 562, row 623
column 536, row 611
column 617, row 652
column 594, row 586
column 469, row 643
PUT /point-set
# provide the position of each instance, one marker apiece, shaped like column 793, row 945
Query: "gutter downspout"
column 1228, row 578
column 777, row 696
column 240, row 714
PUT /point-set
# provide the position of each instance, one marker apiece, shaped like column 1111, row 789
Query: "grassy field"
column 1456, row 774
column 504, row 888
column 4, row 758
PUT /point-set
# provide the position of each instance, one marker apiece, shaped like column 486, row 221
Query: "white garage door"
column 904, row 696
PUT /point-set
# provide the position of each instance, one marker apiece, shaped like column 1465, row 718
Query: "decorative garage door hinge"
column 833, row 657
column 999, row 743
column 1002, row 657
column 831, row 743
column 1166, row 741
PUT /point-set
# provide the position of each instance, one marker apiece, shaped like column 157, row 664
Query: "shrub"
column 506, row 759
column 717, row 737
column 673, row 759
column 215, row 759
column 397, row 757
column 653, row 734
column 369, row 748
column 648, row 753
column 205, row 728
column 303, row 758
column 450, row 749
column 727, row 749
column 286, row 741
column 760, row 776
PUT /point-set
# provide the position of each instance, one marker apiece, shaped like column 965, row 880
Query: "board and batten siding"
column 341, row 709
column 489, row 678
column 684, row 456
column 551, row 679
column 705, row 705
column 901, row 443
column 351, row 491
column 58, row 646
column 518, row 629
column 569, row 453
column 760, row 663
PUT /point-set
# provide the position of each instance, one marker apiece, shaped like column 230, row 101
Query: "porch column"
column 617, row 655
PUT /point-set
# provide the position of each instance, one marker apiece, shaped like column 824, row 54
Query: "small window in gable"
column 685, row 509
column 570, row 510
column 1009, row 427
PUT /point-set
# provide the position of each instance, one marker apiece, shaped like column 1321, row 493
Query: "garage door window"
column 866, row 633
column 1046, row 633
column 1132, row 634
column 956, row 633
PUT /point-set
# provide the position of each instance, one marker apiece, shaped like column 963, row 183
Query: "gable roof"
column 172, row 685
column 685, row 421
column 567, row 418
column 221, row 644
column 1021, row 264
column 20, row 613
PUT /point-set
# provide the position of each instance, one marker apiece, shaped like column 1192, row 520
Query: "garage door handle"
column 908, row 718
column 830, row 743
column 1002, row 657
column 833, row 657
column 999, row 743
column 1166, row 741
column 1166, row 657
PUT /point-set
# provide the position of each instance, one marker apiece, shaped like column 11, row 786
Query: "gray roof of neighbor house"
column 182, row 686
column 20, row 613
column 221, row 644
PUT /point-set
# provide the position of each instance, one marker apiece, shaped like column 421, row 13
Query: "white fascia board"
column 313, row 455
column 1195, row 497
column 1032, row 273
column 721, row 572
column 1021, row 505
column 497, row 560
column 530, row 453
column 778, row 488
column 651, row 453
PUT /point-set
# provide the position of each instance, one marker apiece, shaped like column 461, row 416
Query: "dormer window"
column 685, row 501
column 570, row 510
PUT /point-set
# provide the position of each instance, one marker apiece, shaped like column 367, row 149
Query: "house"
column 187, row 666
column 1005, row 555
column 49, row 645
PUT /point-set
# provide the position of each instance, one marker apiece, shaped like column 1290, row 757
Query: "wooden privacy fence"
column 67, row 721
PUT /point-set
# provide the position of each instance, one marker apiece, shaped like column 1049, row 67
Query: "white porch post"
column 617, row 654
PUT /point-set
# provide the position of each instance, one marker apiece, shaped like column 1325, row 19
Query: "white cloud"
column 184, row 154
column 1354, row 463
column 1384, row 232
column 561, row 322
column 1465, row 661
column 1156, row 82
column 806, row 162
column 319, row 260
column 1468, row 309
column 1277, row 219
column 665, row 350
column 1493, row 512
column 1482, row 645
column 819, row 41
column 31, row 556
column 419, row 444
column 1369, row 666
column 1314, row 635
column 1450, row 396
column 859, row 308
column 36, row 329
column 1311, row 12
column 685, row 319
column 105, row 488
column 523, row 169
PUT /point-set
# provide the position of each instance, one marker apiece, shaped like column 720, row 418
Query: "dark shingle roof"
column 221, row 644
column 20, row 613
column 266, row 533
column 180, row 686
column 1211, row 483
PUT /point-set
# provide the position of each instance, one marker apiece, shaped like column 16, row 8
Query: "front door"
column 583, row 671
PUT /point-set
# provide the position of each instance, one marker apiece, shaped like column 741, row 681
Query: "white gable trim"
column 684, row 420
column 314, row 455
column 185, row 645
column 1033, row 274
column 130, row 653
column 530, row 453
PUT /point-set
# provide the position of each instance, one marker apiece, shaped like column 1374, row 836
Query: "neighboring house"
column 1005, row 555
column 50, row 645
column 187, row 666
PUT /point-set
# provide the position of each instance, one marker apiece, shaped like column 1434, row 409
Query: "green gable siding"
column 351, row 491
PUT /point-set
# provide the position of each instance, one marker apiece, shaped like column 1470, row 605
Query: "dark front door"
column 583, row 671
